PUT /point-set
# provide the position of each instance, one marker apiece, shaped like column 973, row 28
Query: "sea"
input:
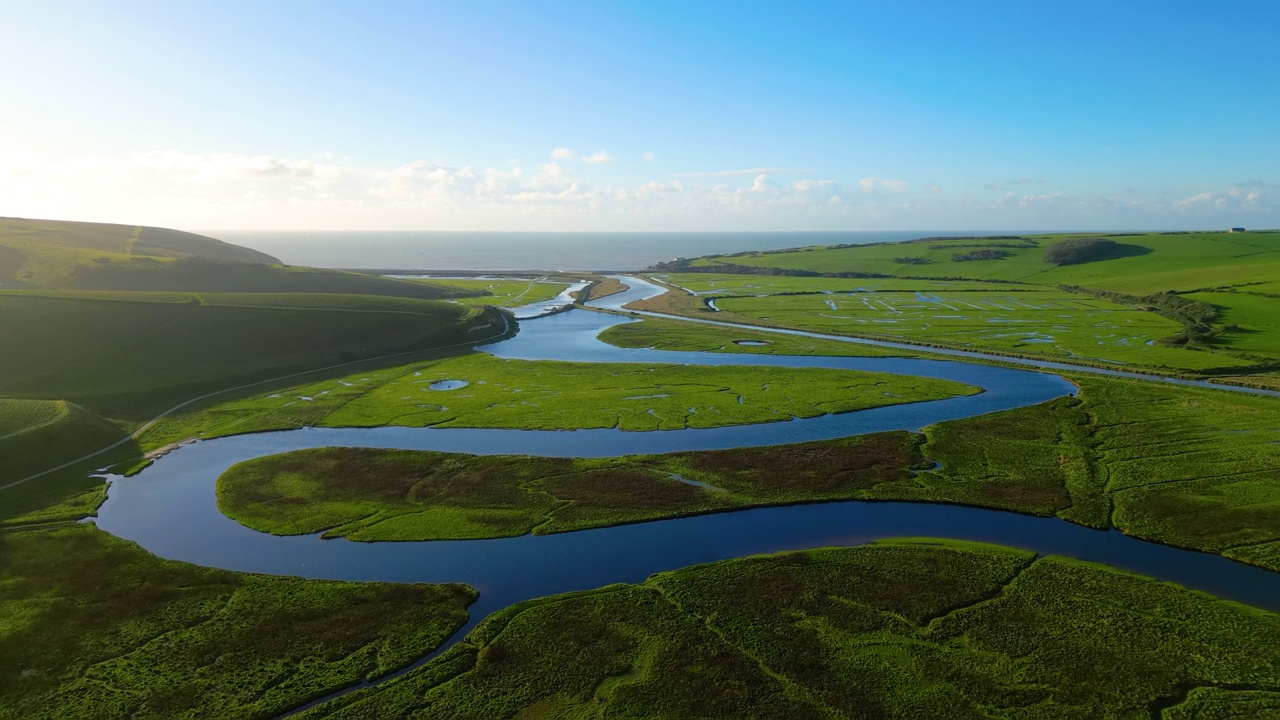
column 620, row 251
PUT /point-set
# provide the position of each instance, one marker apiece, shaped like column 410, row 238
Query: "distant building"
column 1236, row 230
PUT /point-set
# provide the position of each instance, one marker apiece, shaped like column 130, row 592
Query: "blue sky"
column 642, row 116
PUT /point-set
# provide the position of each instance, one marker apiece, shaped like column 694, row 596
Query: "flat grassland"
column 369, row 494
column 504, row 292
column 1039, row 322
column 902, row 629
column 550, row 395
column 1001, row 294
column 92, row 626
column 677, row 335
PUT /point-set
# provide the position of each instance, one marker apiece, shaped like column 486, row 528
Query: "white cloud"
column 648, row 157
column 228, row 191
column 747, row 171
column 874, row 184
column 595, row 158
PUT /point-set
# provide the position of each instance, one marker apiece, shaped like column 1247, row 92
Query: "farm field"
column 92, row 626
column 902, row 629
column 554, row 396
column 368, row 494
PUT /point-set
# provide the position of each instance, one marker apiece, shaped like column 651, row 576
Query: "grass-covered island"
column 905, row 629
column 369, row 494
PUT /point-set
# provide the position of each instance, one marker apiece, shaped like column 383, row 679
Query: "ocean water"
column 619, row 251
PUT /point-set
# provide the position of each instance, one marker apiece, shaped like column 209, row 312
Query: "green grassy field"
column 676, row 335
column 555, row 396
column 1026, row 314
column 1023, row 320
column 369, row 494
column 47, row 252
column 99, row 256
column 55, row 432
column 504, row 292
column 21, row 416
column 903, row 629
column 1188, row 467
column 712, row 284
column 1255, row 317
column 1039, row 323
column 93, row 627
column 1145, row 263
column 132, row 358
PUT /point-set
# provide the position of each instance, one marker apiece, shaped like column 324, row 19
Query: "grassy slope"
column 369, row 494
column 892, row 630
column 99, row 256
column 132, row 358
column 93, row 627
column 1160, row 262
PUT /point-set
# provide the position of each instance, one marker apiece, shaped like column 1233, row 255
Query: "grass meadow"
column 899, row 629
column 92, row 627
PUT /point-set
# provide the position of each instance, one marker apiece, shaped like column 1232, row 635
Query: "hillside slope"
column 51, row 254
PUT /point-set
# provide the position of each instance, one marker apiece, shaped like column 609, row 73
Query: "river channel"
column 170, row 507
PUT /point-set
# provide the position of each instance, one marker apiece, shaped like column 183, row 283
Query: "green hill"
column 53, row 254
column 129, row 355
column 1139, row 264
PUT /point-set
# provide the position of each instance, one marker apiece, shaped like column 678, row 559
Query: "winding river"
column 170, row 507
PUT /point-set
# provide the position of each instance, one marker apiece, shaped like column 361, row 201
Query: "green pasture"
column 20, row 416
column 1145, row 263
column 684, row 336
column 100, row 256
column 1042, row 322
column 369, row 494
column 903, row 629
column 93, row 627
column 1184, row 466
column 131, row 358
column 1254, row 321
column 504, row 292
column 555, row 396
column 726, row 284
